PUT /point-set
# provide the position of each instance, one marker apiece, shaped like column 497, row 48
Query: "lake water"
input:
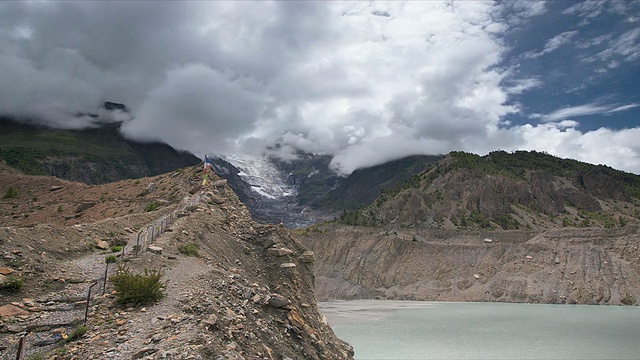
column 434, row 330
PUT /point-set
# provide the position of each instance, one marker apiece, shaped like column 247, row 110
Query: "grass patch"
column 11, row 193
column 116, row 248
column 189, row 249
column 13, row 284
column 77, row 333
column 151, row 207
column 137, row 288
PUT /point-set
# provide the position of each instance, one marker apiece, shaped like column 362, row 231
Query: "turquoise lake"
column 432, row 330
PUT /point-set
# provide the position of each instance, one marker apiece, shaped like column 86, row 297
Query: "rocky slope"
column 248, row 294
column 556, row 230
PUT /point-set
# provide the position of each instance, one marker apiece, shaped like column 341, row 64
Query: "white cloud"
column 554, row 43
column 583, row 110
column 365, row 82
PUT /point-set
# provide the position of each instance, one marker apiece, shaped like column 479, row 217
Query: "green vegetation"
column 35, row 357
column 151, row 207
column 77, row 333
column 110, row 259
column 137, row 288
column 12, row 192
column 13, row 284
column 189, row 249
column 60, row 209
column 116, row 248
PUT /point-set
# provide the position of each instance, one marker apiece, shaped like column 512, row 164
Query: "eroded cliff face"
column 571, row 265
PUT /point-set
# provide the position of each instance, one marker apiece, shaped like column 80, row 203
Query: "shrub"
column 13, row 284
column 110, row 259
column 60, row 209
column 137, row 288
column 189, row 249
column 77, row 333
column 118, row 242
column 116, row 248
column 35, row 357
column 12, row 192
column 151, row 207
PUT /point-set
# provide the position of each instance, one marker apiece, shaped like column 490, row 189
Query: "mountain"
column 305, row 190
column 520, row 190
column 240, row 290
column 94, row 155
column 513, row 227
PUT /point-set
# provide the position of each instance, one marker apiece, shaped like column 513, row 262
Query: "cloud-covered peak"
column 364, row 82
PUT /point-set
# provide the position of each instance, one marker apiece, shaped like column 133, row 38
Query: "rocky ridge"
column 247, row 295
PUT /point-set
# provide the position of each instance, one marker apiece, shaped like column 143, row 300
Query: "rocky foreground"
column 247, row 294
column 557, row 266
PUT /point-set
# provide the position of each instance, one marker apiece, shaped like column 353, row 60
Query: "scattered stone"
column 307, row 257
column 477, row 276
column 211, row 320
column 219, row 183
column 102, row 245
column 256, row 298
column 149, row 189
column 279, row 251
column 155, row 249
column 528, row 257
column 146, row 351
column 55, row 188
column 11, row 310
column 488, row 240
column 6, row 271
column 288, row 265
column 278, row 301
column 121, row 322
column 85, row 206
column 29, row 302
column 218, row 199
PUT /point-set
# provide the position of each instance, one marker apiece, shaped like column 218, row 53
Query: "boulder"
column 11, row 310
column 55, row 188
column 155, row 249
column 6, row 271
column 307, row 257
column 488, row 241
column 279, row 251
column 102, row 245
column 278, row 301
column 288, row 265
column 84, row 206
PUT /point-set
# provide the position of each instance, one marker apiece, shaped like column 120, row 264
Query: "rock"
column 307, row 257
column 155, row 249
column 102, row 245
column 121, row 322
column 13, row 328
column 29, row 302
column 3, row 279
column 149, row 189
column 218, row 199
column 211, row 320
column 195, row 189
column 288, row 265
column 488, row 240
column 145, row 351
column 256, row 298
column 85, row 206
column 278, row 301
column 477, row 276
column 528, row 257
column 219, row 183
column 55, row 188
column 11, row 310
column 279, row 251
column 6, row 271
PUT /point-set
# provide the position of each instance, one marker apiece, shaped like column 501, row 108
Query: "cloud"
column 554, row 43
column 364, row 82
column 583, row 110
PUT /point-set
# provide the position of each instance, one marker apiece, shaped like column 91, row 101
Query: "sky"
column 366, row 82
